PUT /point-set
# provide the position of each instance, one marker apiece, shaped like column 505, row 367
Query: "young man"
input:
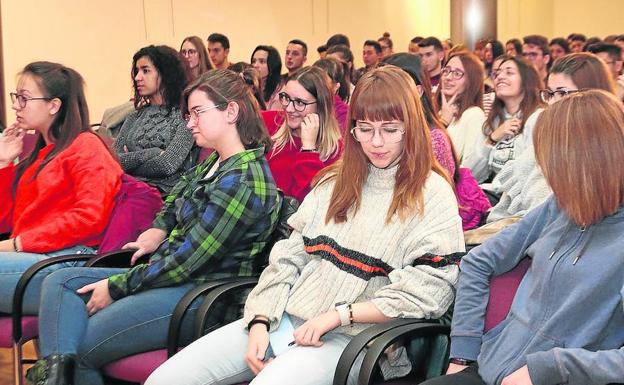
column 218, row 50
column 576, row 41
column 535, row 50
column 413, row 45
column 371, row 55
column 611, row 54
column 432, row 54
column 296, row 55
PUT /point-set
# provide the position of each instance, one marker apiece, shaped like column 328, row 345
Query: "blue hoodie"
column 566, row 321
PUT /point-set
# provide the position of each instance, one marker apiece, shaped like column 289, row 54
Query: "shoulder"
column 533, row 117
column 473, row 112
column 87, row 142
column 437, row 191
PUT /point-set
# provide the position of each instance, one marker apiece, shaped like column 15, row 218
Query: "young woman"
column 565, row 323
column 58, row 200
column 459, row 98
column 267, row 61
column 252, row 78
column 361, row 253
column 343, row 54
column 513, row 47
column 196, row 55
column 493, row 49
column 309, row 137
column 558, row 47
column 509, row 126
column 153, row 144
column 335, row 70
column 215, row 222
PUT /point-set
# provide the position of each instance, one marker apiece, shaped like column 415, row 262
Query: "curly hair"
column 173, row 74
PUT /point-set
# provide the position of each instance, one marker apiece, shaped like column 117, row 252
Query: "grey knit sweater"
column 158, row 146
column 407, row 269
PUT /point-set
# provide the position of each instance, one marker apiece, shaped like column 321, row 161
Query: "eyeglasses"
column 390, row 134
column 454, row 73
column 546, row 95
column 298, row 104
column 22, row 100
column 195, row 112
column 189, row 52
column 531, row 55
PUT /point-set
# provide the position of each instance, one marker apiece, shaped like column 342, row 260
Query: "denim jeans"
column 133, row 324
column 219, row 358
column 14, row 264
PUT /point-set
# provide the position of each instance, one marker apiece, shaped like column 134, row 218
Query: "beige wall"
column 98, row 37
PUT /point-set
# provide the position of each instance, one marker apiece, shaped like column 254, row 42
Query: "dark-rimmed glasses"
column 454, row 73
column 298, row 104
column 546, row 95
column 22, row 99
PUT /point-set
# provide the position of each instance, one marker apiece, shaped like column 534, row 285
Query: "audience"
column 535, row 51
column 432, row 55
column 267, row 61
column 335, row 70
column 296, row 55
column 196, row 55
column 493, row 49
column 153, row 144
column 219, row 49
column 557, row 48
column 387, row 207
column 372, row 53
column 343, row 54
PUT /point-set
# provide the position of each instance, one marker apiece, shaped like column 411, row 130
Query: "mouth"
column 379, row 155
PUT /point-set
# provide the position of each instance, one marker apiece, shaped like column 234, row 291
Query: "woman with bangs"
column 379, row 237
column 566, row 324
column 459, row 98
column 308, row 138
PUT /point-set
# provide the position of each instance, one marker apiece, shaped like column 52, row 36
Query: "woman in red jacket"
column 58, row 200
column 309, row 138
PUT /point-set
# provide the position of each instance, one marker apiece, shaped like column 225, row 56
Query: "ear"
column 54, row 106
column 231, row 112
column 546, row 59
column 336, row 88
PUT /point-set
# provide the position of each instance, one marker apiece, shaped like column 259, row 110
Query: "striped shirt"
column 217, row 225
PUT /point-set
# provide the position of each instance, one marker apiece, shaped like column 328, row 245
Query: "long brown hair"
column 473, row 92
column 586, row 71
column 531, row 84
column 579, row 145
column 204, row 59
column 385, row 93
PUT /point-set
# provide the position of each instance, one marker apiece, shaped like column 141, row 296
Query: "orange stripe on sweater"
column 345, row 259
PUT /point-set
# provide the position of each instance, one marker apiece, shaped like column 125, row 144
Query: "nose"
column 191, row 123
column 290, row 105
column 137, row 76
column 377, row 140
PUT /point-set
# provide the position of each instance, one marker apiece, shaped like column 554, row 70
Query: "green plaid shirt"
column 216, row 225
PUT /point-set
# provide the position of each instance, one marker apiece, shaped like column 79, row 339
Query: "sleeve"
column 478, row 161
column 496, row 256
column 305, row 168
column 232, row 209
column 7, row 176
column 96, row 179
column 471, row 122
column 442, row 151
column 286, row 261
column 425, row 286
column 131, row 160
column 170, row 160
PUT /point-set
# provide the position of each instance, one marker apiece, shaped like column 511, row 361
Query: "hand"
column 519, row 377
column 256, row 348
column 449, row 109
column 507, row 130
column 147, row 243
column 11, row 144
column 100, row 296
column 455, row 368
column 310, row 333
column 309, row 130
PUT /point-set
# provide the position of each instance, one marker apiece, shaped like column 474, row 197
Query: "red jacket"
column 293, row 170
column 68, row 203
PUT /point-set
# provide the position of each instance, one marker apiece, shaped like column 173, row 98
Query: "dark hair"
column 335, row 70
column 497, row 49
column 431, row 40
column 538, row 40
column 173, row 72
column 57, row 82
column 338, row 39
column 619, row 37
column 586, row 71
column 517, row 45
column 223, row 86
column 219, row 38
column 610, row 38
column 374, row 44
column 204, row 61
column 274, row 64
column 613, row 50
column 302, row 44
column 348, row 57
column 385, row 38
column 577, row 36
column 531, row 84
column 251, row 77
column 322, row 48
column 416, row 39
column 561, row 42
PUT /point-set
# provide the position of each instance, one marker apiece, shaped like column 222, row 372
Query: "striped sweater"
column 406, row 268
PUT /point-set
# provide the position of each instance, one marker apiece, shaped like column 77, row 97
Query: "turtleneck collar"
column 383, row 178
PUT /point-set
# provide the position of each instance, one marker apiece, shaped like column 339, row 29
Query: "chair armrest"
column 361, row 340
column 379, row 345
column 213, row 296
column 22, row 283
column 117, row 258
column 180, row 310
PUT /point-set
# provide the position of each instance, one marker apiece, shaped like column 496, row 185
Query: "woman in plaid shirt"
column 215, row 222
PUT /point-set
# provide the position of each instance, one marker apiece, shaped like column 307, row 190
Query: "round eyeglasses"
column 454, row 73
column 389, row 134
column 298, row 104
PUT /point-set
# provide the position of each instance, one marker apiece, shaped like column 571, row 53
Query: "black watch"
column 461, row 361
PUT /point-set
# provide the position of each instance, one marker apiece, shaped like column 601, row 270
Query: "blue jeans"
column 134, row 324
column 14, row 264
column 219, row 358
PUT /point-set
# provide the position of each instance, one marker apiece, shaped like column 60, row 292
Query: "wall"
column 98, row 37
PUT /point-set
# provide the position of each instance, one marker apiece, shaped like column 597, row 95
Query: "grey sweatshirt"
column 566, row 322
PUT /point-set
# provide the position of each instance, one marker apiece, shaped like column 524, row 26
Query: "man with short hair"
column 322, row 51
column 576, row 41
column 432, row 54
column 619, row 41
column 218, row 50
column 413, row 45
column 371, row 55
column 611, row 54
column 296, row 55
column 535, row 50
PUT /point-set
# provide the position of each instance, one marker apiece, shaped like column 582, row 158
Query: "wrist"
column 460, row 361
column 259, row 322
column 491, row 140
